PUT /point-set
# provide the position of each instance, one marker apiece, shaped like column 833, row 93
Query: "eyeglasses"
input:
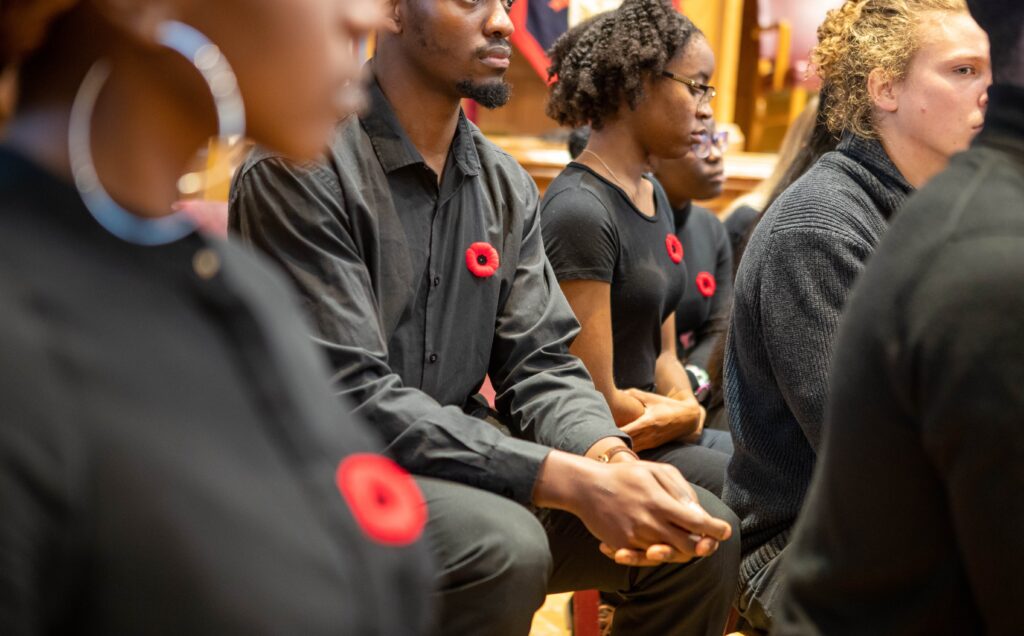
column 718, row 140
column 702, row 92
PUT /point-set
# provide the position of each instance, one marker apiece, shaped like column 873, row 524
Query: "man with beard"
column 416, row 247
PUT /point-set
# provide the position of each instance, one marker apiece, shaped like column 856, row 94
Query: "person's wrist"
column 562, row 479
column 618, row 454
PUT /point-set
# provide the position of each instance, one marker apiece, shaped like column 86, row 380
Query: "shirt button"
column 206, row 263
column 433, row 357
column 437, row 281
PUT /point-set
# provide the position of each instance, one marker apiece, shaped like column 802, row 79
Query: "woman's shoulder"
column 827, row 198
column 576, row 194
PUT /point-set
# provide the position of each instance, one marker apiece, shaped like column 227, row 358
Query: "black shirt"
column 703, row 313
column 385, row 258
column 739, row 225
column 592, row 231
column 169, row 443
column 913, row 522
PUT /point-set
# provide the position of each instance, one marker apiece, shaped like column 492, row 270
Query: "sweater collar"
column 889, row 188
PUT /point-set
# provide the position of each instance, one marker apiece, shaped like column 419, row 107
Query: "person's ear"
column 138, row 19
column 884, row 91
column 393, row 15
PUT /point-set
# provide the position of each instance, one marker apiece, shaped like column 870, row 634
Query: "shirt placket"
column 431, row 346
column 439, row 261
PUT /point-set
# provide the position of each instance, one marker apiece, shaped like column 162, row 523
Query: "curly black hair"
column 604, row 62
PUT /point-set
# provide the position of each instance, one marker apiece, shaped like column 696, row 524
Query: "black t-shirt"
column 593, row 232
column 703, row 313
column 172, row 459
column 739, row 225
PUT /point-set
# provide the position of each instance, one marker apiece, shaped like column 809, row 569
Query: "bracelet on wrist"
column 606, row 457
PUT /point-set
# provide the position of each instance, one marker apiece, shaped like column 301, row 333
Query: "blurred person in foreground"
column 416, row 246
column 913, row 521
column 172, row 460
column 906, row 83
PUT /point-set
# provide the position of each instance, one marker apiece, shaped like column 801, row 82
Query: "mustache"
column 500, row 48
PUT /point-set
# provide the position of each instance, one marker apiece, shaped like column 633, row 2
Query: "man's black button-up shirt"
column 394, row 271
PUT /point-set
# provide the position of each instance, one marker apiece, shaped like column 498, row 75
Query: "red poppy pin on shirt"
column 482, row 260
column 384, row 499
column 706, row 284
column 674, row 247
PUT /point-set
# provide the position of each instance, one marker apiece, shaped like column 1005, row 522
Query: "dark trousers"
column 761, row 586
column 703, row 463
column 497, row 560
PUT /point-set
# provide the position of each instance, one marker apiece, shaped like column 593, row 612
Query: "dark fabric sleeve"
column 718, row 319
column 35, row 492
column 296, row 214
column 546, row 390
column 966, row 379
column 806, row 279
column 579, row 236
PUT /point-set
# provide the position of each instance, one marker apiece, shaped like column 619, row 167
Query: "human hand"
column 648, row 508
column 664, row 419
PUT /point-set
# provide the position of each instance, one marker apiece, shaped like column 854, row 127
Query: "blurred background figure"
column 702, row 315
column 172, row 459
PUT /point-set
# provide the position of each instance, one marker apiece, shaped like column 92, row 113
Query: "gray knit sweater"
column 791, row 286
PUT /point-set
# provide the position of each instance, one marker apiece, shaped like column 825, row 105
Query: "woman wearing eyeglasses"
column 702, row 315
column 638, row 76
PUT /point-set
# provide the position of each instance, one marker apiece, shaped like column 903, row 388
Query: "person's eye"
column 508, row 4
column 965, row 70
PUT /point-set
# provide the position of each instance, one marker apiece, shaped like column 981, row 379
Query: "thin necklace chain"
column 636, row 194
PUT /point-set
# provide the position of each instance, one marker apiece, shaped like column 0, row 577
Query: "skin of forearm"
column 670, row 378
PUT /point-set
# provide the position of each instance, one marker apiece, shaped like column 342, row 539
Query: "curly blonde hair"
column 859, row 37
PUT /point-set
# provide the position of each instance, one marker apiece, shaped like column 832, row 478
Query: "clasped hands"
column 656, row 517
column 664, row 419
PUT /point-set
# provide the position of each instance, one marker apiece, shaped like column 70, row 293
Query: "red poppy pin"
column 482, row 259
column 706, row 284
column 385, row 501
column 674, row 247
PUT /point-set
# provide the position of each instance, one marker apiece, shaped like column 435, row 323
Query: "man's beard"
column 488, row 94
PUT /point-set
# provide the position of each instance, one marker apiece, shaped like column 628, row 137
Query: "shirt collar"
column 682, row 215
column 395, row 150
column 1004, row 119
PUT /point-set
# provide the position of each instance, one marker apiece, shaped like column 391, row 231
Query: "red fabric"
column 674, row 247
column 584, row 613
column 706, row 284
column 482, row 260
column 525, row 42
column 384, row 499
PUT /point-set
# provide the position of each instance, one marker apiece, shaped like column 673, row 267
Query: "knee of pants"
column 491, row 543
column 726, row 560
column 515, row 548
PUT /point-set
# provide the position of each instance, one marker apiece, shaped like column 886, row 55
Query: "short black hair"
column 603, row 62
column 1003, row 20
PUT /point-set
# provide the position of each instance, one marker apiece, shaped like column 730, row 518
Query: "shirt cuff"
column 580, row 437
column 516, row 463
